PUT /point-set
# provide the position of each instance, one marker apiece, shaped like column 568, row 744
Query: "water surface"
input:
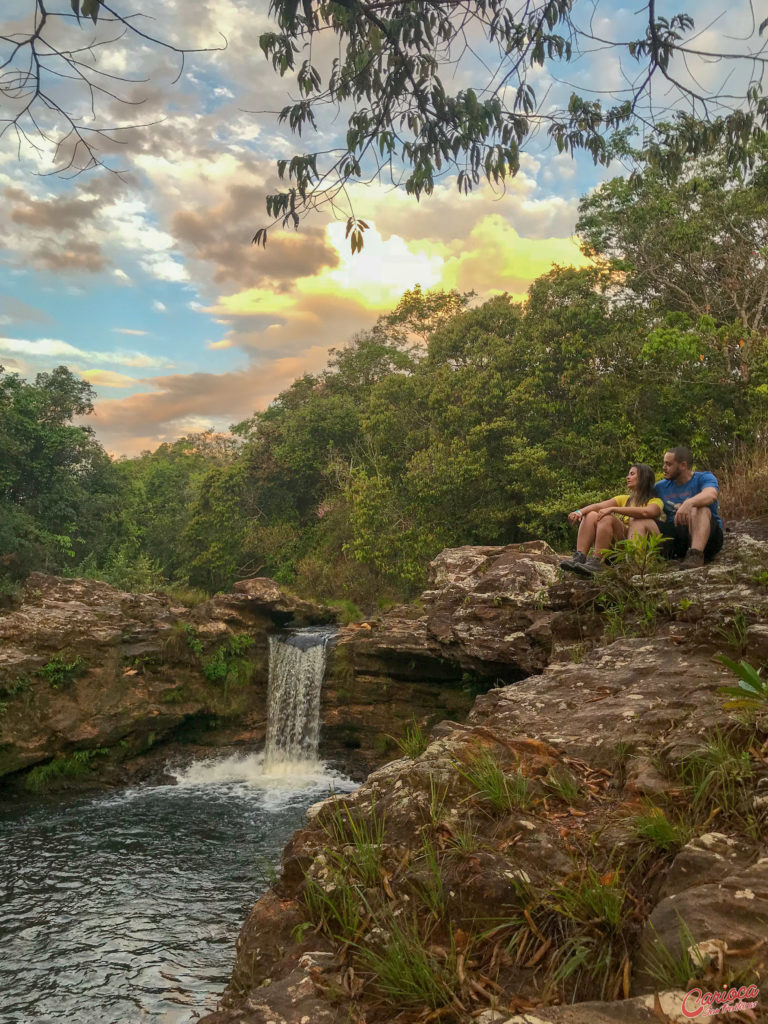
column 125, row 908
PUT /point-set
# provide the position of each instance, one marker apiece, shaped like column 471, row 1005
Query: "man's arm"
column 706, row 496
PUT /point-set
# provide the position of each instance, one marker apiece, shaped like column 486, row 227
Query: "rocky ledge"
column 91, row 676
column 586, row 849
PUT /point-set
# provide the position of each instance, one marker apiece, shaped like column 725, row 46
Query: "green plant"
column 361, row 839
column 585, row 963
column 672, row 969
column 338, row 907
column 436, row 801
column 347, row 611
column 43, row 776
column 414, row 742
column 22, row 684
column 719, row 778
column 383, row 743
column 3, row 707
column 404, row 970
column 61, row 672
column 503, row 791
column 588, row 915
column 432, row 889
column 175, row 696
column 560, row 782
column 751, row 692
column 466, row 839
column 578, row 652
column 186, row 595
column 194, row 643
column 734, row 633
column 228, row 665
column 629, row 596
column 658, row 833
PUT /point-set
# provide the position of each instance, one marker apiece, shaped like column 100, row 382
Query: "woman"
column 601, row 524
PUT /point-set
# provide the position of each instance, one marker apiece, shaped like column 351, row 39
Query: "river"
column 125, row 908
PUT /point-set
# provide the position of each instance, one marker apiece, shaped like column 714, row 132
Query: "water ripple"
column 125, row 909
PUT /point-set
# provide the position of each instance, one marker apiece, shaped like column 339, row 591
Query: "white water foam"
column 274, row 784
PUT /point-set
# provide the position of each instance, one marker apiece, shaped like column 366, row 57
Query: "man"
column 693, row 525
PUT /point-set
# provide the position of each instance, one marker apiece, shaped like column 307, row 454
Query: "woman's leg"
column 609, row 530
column 642, row 528
column 586, row 535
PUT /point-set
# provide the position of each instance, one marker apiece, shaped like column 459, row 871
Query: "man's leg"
column 706, row 538
column 700, row 527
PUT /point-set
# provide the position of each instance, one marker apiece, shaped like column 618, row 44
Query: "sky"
column 141, row 277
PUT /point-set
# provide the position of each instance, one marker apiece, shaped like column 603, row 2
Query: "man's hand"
column 683, row 514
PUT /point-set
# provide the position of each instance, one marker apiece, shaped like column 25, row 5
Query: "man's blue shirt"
column 674, row 494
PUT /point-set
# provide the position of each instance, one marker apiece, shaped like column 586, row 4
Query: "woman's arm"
column 578, row 514
column 652, row 511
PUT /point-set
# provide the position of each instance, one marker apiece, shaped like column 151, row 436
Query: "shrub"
column 61, row 672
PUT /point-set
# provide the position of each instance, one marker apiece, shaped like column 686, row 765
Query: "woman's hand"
column 603, row 512
column 575, row 516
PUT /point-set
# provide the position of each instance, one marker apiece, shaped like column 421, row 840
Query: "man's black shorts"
column 678, row 540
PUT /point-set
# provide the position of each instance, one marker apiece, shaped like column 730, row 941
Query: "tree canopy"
column 392, row 72
column 427, row 87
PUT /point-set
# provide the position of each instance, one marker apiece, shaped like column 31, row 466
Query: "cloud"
column 108, row 379
column 128, row 330
column 53, row 348
column 15, row 311
column 146, row 419
column 216, row 236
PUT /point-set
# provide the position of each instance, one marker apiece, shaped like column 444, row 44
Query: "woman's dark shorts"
column 678, row 540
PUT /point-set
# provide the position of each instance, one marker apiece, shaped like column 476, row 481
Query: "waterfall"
column 296, row 669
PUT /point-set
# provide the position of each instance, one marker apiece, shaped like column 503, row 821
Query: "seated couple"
column 682, row 508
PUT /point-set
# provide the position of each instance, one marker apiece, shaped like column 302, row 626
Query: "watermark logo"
column 698, row 1003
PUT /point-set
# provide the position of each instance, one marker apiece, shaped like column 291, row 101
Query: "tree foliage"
column 694, row 241
column 446, row 423
column 57, row 486
column 392, row 68
column 427, row 87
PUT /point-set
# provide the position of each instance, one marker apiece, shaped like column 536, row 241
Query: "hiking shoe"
column 693, row 560
column 577, row 558
column 590, row 566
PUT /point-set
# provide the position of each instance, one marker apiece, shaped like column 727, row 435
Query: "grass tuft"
column 505, row 792
column 414, row 742
column 658, row 833
column 404, row 970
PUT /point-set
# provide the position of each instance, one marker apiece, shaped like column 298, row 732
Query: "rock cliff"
column 586, row 848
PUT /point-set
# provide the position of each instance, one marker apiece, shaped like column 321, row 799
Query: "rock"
column 631, row 695
column 268, row 596
column 613, row 722
column 121, row 674
column 641, row 1010
column 707, row 859
column 726, row 913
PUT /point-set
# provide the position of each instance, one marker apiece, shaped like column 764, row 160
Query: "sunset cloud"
column 163, row 250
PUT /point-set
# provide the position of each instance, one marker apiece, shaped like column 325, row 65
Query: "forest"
column 449, row 422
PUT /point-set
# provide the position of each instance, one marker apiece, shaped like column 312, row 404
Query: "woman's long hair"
column 642, row 492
